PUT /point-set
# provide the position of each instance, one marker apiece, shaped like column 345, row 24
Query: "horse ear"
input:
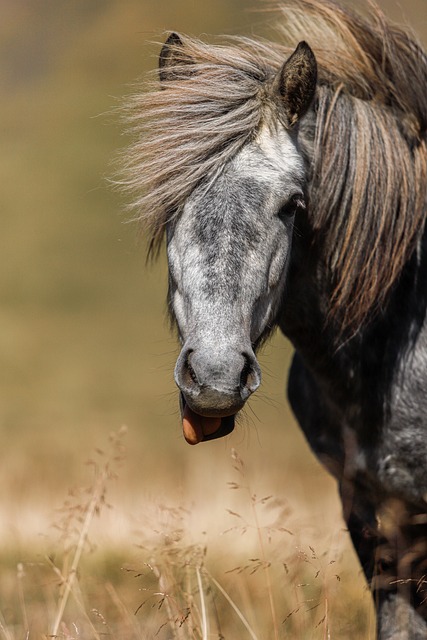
column 173, row 59
column 295, row 84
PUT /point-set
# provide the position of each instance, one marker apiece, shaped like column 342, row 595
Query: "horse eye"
column 291, row 207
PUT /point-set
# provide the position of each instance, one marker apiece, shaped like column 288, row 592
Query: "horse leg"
column 398, row 619
column 392, row 554
column 392, row 548
column 361, row 525
column 400, row 583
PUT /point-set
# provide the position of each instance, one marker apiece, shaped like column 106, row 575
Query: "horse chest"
column 402, row 452
column 361, row 433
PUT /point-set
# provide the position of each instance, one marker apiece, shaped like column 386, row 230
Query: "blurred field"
column 85, row 348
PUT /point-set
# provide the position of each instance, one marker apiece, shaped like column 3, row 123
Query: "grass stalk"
column 326, row 632
column 71, row 574
column 128, row 620
column 163, row 582
column 5, row 633
column 20, row 578
column 202, row 605
column 189, row 597
column 266, row 570
column 233, row 606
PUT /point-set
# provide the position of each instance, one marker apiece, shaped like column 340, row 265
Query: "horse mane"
column 368, row 186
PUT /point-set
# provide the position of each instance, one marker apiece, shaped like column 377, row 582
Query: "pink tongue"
column 195, row 426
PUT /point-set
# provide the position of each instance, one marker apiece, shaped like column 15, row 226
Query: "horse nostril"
column 190, row 369
column 245, row 372
column 249, row 377
column 189, row 377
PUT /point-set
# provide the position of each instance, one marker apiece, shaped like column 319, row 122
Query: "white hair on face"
column 280, row 155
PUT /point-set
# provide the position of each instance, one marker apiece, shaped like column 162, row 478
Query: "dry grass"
column 259, row 575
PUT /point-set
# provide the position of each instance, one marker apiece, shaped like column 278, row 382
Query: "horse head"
column 229, row 248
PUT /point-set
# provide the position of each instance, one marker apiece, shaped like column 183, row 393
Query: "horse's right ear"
column 173, row 59
column 295, row 83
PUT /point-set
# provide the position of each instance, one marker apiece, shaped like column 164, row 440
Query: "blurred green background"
column 84, row 342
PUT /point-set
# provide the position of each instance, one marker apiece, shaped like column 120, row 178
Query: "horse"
column 289, row 180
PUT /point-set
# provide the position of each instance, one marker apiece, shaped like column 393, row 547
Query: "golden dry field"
column 134, row 535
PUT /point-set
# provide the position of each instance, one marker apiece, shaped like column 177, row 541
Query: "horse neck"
column 360, row 367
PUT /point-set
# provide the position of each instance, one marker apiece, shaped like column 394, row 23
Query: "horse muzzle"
column 214, row 387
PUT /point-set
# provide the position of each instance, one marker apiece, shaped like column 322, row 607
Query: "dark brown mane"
column 369, row 186
column 369, row 166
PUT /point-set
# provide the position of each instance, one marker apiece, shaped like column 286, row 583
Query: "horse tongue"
column 195, row 427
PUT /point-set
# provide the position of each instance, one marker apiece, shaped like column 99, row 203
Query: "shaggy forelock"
column 187, row 129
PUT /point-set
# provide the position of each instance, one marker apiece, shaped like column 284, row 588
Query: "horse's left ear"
column 173, row 59
column 295, row 83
